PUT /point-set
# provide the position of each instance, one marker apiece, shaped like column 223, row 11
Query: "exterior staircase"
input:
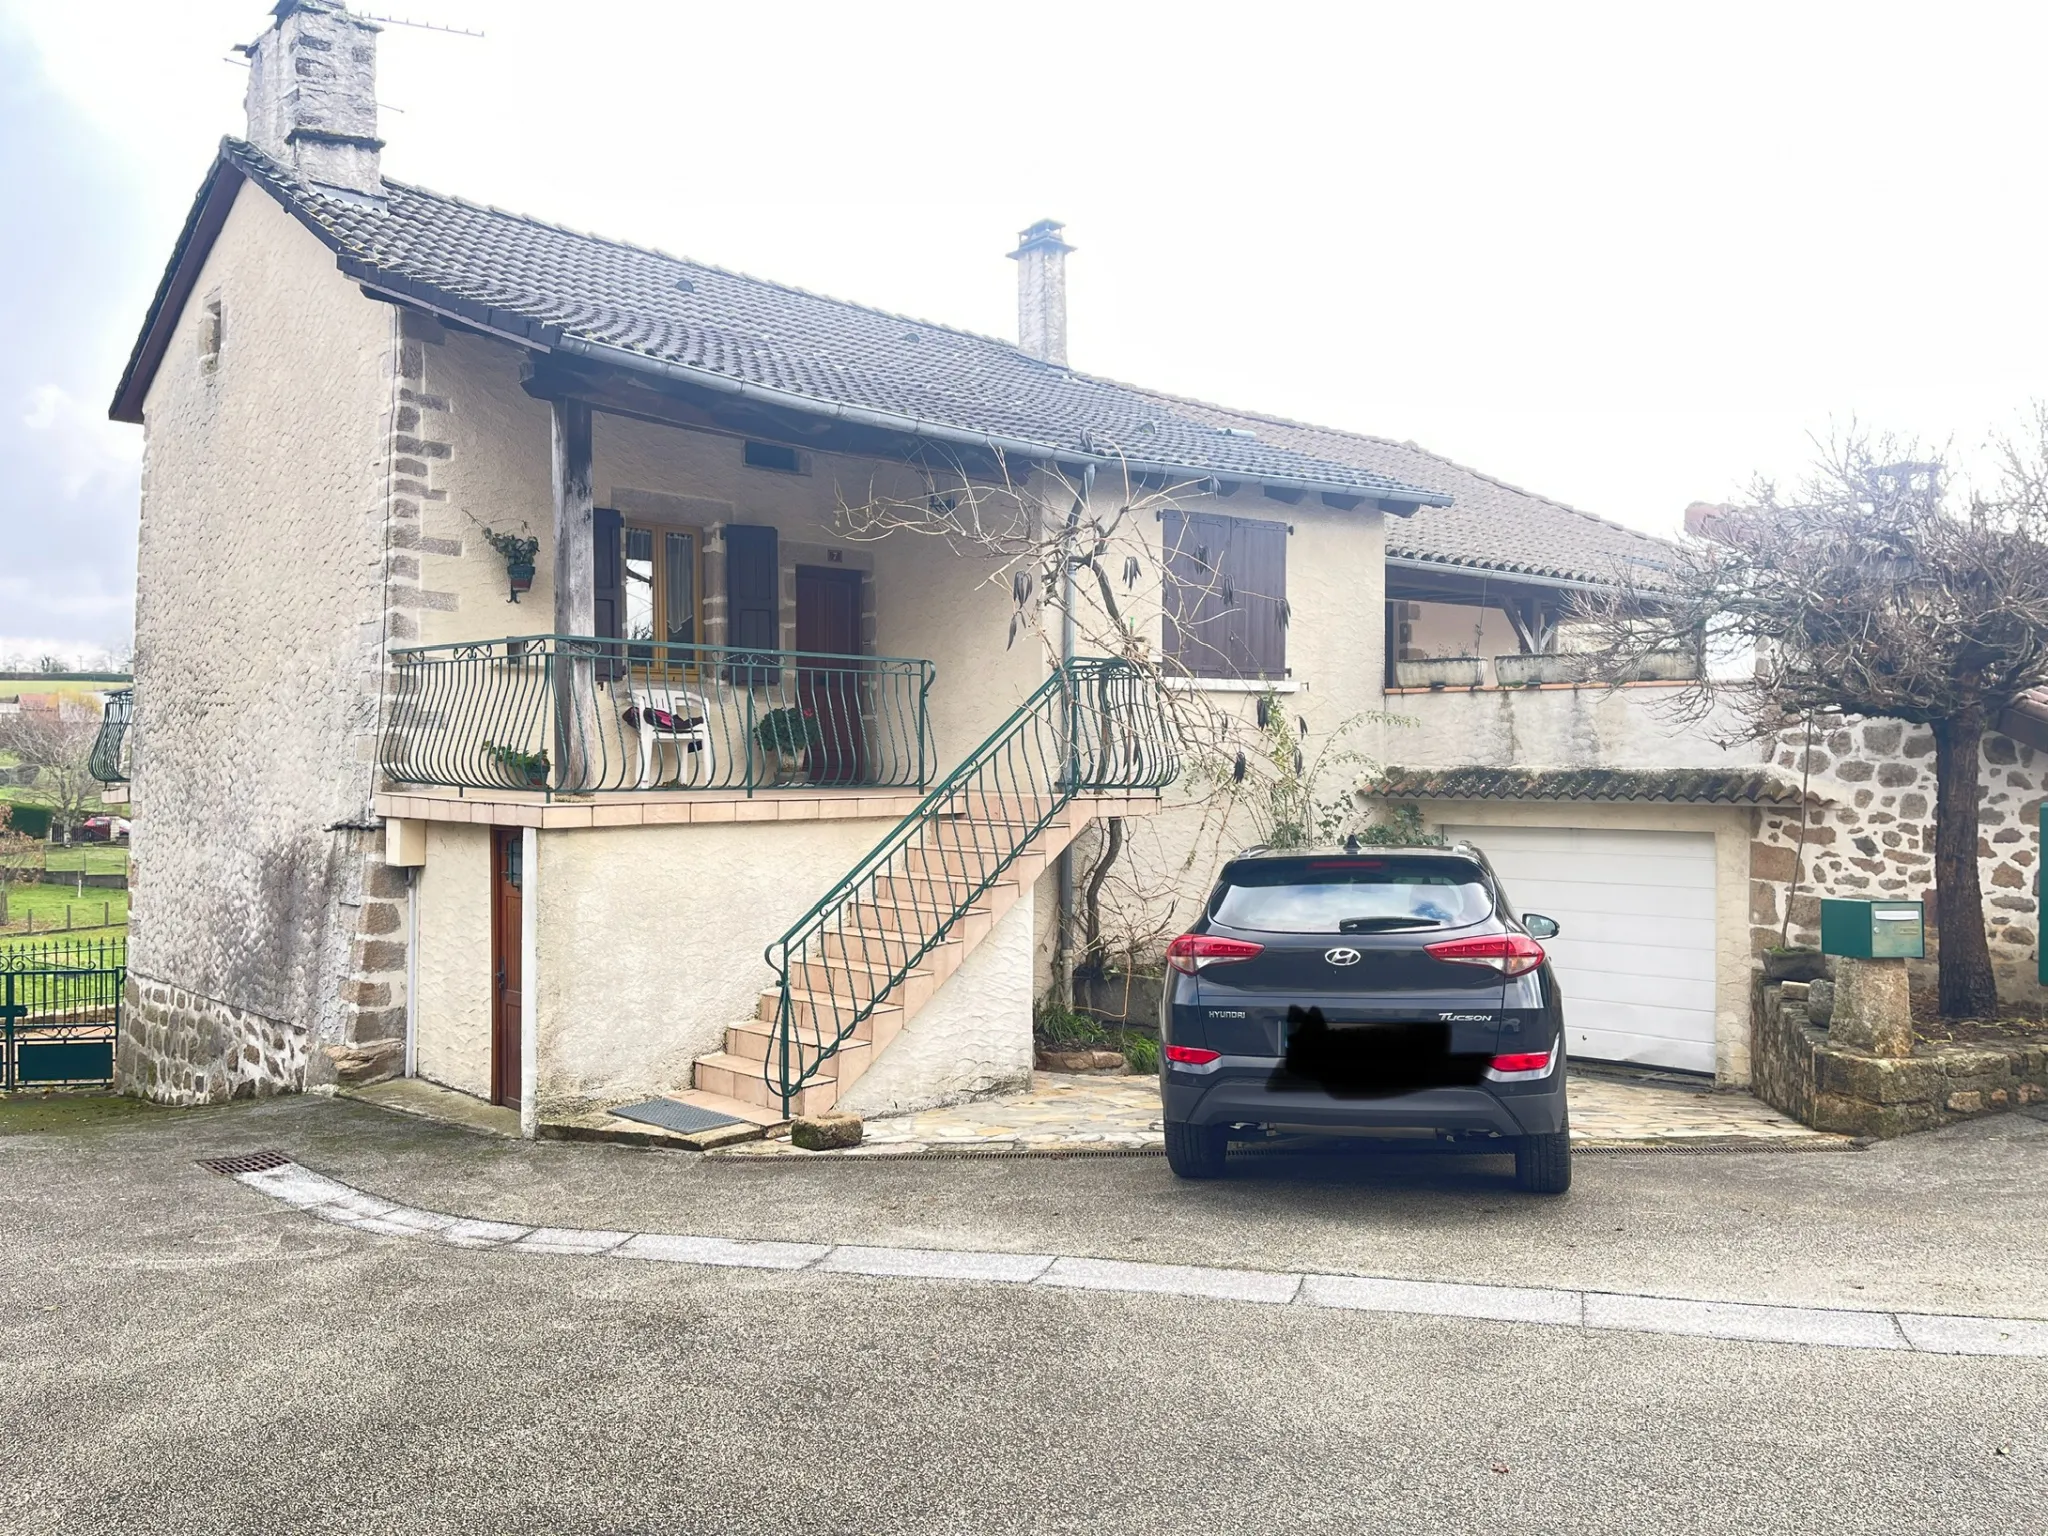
column 856, row 968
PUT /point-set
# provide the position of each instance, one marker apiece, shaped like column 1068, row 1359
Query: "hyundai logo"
column 1341, row 956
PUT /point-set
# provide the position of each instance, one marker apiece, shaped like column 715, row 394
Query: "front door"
column 507, row 877
column 828, row 623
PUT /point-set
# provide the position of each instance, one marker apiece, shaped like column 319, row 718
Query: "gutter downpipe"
column 412, row 973
column 1063, row 938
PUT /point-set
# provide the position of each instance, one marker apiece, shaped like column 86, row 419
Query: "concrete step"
column 719, row 1104
column 735, row 1077
column 759, row 1042
column 820, row 1009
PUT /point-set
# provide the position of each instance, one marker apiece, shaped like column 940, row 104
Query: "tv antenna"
column 423, row 26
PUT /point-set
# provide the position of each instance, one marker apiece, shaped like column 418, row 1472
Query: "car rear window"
column 1343, row 894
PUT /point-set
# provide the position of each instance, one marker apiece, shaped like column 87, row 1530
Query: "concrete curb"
column 1540, row 1306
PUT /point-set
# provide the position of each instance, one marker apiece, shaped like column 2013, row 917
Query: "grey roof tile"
column 542, row 281
column 1490, row 524
column 1710, row 786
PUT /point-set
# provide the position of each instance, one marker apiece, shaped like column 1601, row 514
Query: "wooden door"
column 828, row 622
column 508, row 876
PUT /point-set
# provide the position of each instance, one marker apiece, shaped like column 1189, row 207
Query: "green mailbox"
column 1873, row 930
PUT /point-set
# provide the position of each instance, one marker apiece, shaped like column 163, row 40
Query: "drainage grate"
column 245, row 1162
column 674, row 1115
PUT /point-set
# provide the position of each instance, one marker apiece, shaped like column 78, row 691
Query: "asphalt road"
column 179, row 1354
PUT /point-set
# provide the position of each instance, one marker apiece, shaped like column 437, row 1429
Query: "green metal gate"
column 60, row 1013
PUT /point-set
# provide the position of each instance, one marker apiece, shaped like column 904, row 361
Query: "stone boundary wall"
column 1872, row 836
column 178, row 1047
column 1795, row 1067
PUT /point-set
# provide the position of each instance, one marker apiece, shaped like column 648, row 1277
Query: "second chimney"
column 312, row 98
column 1041, row 258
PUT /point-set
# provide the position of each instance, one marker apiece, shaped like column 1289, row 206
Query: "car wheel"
column 1543, row 1164
column 1196, row 1151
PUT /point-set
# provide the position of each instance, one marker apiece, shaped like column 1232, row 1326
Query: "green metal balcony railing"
column 1093, row 727
column 574, row 715
column 109, row 760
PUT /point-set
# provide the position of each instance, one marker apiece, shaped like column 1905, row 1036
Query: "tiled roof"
column 1490, row 525
column 558, row 288
column 1690, row 786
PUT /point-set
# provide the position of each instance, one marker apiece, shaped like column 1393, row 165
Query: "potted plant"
column 787, row 735
column 526, row 770
column 519, row 551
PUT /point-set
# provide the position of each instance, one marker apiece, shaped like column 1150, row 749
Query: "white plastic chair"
column 696, row 759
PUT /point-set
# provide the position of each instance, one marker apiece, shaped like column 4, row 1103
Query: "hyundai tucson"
column 1364, row 993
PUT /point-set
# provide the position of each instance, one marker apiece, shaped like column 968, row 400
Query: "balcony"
column 551, row 715
column 108, row 762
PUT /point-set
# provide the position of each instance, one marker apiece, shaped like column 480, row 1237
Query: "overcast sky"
column 1624, row 255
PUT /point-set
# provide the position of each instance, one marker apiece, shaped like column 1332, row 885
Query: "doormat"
column 674, row 1115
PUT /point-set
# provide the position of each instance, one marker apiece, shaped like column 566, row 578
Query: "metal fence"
column 573, row 715
column 1096, row 726
column 60, row 1012
column 109, row 760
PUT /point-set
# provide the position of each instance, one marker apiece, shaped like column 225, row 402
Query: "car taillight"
column 1192, row 1055
column 1528, row 1061
column 1192, row 952
column 1512, row 954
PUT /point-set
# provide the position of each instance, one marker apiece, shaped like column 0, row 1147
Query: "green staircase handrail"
column 1094, row 725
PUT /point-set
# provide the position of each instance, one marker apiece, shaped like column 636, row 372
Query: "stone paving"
column 1117, row 1113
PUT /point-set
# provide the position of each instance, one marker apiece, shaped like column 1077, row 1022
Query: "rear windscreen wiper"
column 1384, row 924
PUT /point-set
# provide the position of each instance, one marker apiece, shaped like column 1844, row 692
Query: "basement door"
column 1635, row 954
column 507, row 989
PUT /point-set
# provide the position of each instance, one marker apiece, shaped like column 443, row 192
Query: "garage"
column 1635, row 952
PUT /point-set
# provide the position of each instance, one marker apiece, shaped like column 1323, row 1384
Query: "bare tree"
column 58, row 745
column 21, row 856
column 1075, row 558
column 1877, row 588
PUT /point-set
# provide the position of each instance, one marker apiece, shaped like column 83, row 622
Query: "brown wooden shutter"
column 1226, row 595
column 753, row 591
column 1197, row 633
column 1258, row 573
column 608, row 601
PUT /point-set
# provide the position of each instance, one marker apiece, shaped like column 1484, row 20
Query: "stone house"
column 678, row 785
column 540, row 723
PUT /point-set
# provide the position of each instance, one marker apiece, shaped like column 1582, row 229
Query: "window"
column 774, row 456
column 648, row 586
column 210, row 334
column 1351, row 895
column 1226, row 595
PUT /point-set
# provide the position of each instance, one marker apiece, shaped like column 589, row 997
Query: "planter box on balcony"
column 1566, row 667
column 1527, row 671
column 1668, row 667
column 1441, row 672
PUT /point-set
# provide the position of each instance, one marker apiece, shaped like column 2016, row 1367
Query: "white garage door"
column 1635, row 954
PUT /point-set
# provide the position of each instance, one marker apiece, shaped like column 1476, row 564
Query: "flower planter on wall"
column 1667, row 667
column 1441, row 672
column 1527, row 671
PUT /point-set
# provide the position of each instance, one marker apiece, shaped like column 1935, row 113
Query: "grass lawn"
column 98, row 914
column 93, row 858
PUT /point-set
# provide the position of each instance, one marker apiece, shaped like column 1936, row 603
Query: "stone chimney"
column 1041, row 258
column 312, row 99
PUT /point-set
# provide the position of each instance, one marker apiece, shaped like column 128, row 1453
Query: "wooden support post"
column 575, row 598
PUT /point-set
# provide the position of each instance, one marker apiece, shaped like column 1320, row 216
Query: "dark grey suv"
column 1365, row 993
